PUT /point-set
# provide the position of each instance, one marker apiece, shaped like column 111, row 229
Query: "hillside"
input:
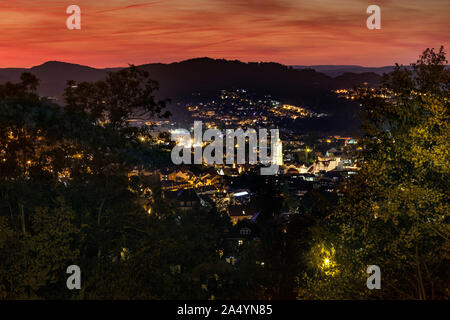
column 206, row 76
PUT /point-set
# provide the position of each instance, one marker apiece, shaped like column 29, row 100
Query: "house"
column 206, row 190
column 241, row 212
column 294, row 170
column 186, row 199
column 327, row 164
column 208, row 179
column 179, row 174
column 173, row 186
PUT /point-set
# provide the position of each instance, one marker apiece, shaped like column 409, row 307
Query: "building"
column 186, row 199
column 241, row 212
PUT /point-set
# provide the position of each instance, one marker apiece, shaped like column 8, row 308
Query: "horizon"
column 290, row 32
column 196, row 58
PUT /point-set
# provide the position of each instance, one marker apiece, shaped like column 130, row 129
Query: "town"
column 231, row 185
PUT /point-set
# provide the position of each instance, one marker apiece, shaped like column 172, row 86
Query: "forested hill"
column 206, row 76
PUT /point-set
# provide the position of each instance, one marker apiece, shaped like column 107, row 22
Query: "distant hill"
column 53, row 75
column 339, row 70
column 202, row 78
column 203, row 75
column 11, row 74
column 208, row 76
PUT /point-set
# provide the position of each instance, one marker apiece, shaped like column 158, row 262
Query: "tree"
column 34, row 265
column 395, row 212
column 67, row 197
column 122, row 95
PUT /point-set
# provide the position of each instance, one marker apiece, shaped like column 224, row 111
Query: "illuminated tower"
column 278, row 155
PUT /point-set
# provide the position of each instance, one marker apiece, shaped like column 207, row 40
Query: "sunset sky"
column 119, row 32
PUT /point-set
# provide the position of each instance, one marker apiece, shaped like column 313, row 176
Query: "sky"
column 293, row 32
